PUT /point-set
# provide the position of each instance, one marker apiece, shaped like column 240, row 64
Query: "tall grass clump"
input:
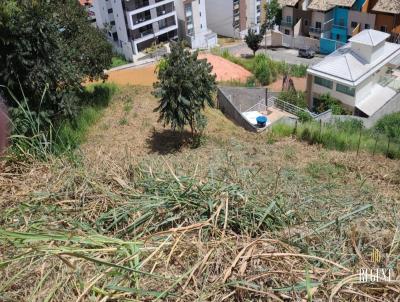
column 343, row 136
column 36, row 134
column 72, row 132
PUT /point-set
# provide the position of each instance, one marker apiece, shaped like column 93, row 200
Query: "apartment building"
column 233, row 18
column 134, row 25
column 192, row 24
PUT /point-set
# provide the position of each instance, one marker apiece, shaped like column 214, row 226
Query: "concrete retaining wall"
column 279, row 39
column 225, row 104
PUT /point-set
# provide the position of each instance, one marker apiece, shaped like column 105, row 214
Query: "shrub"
column 296, row 98
column 389, row 125
column 262, row 71
column 326, row 102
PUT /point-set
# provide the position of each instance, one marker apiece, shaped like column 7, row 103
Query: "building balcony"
column 315, row 30
column 135, row 4
column 287, row 24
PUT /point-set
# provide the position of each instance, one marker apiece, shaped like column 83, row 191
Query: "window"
column 354, row 24
column 110, row 10
column 305, row 22
column 112, row 23
column 323, row 82
column 287, row 32
column 345, row 89
column 366, row 26
column 383, row 28
column 289, row 19
column 318, row 25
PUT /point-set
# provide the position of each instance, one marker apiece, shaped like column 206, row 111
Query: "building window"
column 318, row 25
column 323, row 82
column 305, row 22
column 112, row 23
column 345, row 89
column 354, row 24
column 289, row 19
column 110, row 10
column 287, row 32
column 383, row 28
column 366, row 26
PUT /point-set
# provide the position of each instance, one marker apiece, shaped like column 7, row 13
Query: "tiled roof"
column 324, row 5
column 387, row 6
column 288, row 2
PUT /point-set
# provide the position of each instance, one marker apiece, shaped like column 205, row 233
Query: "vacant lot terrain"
column 137, row 215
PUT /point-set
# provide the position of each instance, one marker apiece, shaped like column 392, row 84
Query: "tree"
column 185, row 86
column 253, row 40
column 49, row 45
column 273, row 14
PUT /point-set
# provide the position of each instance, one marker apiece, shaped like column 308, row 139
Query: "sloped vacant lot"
column 137, row 215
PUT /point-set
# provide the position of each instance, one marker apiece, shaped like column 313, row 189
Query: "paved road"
column 280, row 54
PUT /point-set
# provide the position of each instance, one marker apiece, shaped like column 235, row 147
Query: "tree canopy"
column 49, row 45
column 253, row 40
column 273, row 14
column 185, row 86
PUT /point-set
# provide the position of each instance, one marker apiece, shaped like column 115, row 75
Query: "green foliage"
column 118, row 60
column 273, row 14
column 262, row 71
column 326, row 102
column 253, row 40
column 185, row 86
column 296, row 98
column 389, row 125
column 49, row 46
column 304, row 117
column 342, row 136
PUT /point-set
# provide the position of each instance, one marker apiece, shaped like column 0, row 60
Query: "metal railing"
column 290, row 108
column 316, row 30
column 286, row 24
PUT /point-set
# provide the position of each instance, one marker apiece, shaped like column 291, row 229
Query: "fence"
column 279, row 39
column 347, row 135
column 290, row 108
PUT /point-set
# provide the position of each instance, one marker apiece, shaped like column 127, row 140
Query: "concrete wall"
column 226, row 105
column 279, row 39
column 220, row 17
column 361, row 18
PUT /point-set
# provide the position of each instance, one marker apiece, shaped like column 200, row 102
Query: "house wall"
column 220, row 17
column 305, row 17
column 384, row 20
column 318, row 90
column 287, row 28
column 339, row 28
column 361, row 18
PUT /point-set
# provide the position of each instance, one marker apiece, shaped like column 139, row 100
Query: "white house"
column 362, row 74
column 192, row 24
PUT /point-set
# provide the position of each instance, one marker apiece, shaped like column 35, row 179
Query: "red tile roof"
column 85, row 2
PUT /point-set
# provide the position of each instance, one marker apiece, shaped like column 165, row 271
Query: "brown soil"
column 226, row 70
column 299, row 83
column 144, row 76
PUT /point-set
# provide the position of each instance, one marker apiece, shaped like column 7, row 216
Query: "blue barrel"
column 261, row 121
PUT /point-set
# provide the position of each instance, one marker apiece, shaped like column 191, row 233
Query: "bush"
column 262, row 72
column 326, row 102
column 296, row 98
column 389, row 125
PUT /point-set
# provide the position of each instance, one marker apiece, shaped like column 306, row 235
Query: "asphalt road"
column 279, row 54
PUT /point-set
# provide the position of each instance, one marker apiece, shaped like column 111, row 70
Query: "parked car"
column 306, row 53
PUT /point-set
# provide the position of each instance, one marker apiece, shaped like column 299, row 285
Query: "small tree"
column 185, row 86
column 253, row 40
column 273, row 14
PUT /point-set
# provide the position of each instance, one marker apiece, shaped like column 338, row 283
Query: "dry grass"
column 237, row 219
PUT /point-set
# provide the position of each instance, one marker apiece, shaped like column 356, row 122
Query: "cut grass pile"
column 181, row 228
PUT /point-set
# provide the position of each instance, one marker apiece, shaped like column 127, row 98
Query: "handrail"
column 285, row 106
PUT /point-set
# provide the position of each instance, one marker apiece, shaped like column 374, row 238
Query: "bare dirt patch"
column 299, row 83
column 144, row 76
column 226, row 70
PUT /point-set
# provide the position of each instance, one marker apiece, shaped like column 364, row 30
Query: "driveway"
column 279, row 54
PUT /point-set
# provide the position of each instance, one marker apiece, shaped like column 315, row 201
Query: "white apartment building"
column 233, row 18
column 135, row 25
column 192, row 24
